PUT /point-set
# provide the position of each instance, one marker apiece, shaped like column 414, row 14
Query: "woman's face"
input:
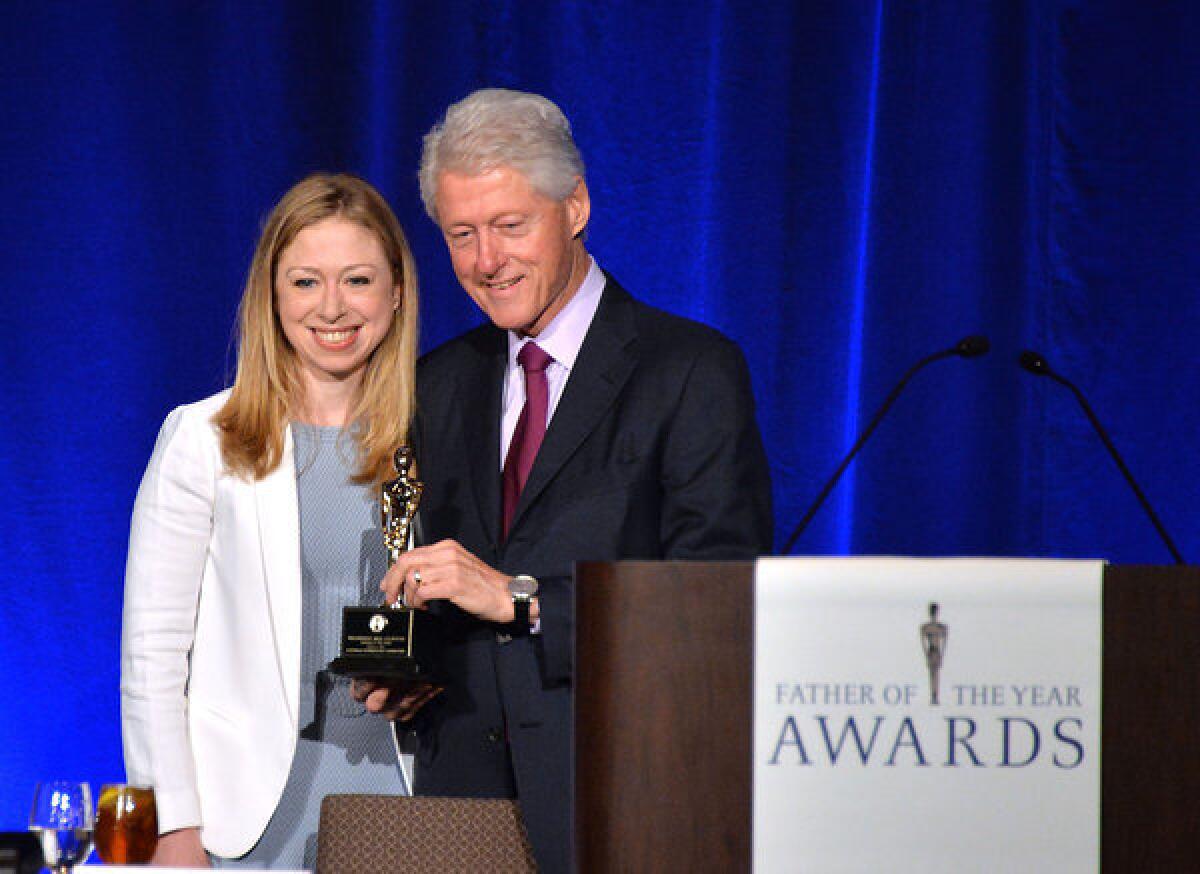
column 335, row 295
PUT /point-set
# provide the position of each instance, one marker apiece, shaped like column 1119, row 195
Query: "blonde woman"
column 256, row 520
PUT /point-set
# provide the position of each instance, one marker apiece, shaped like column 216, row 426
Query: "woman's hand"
column 398, row 702
column 180, row 849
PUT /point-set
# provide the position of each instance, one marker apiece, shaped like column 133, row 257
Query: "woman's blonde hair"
column 267, row 390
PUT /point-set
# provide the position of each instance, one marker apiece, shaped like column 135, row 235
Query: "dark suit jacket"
column 652, row 453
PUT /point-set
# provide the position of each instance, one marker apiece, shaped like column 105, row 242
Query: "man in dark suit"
column 624, row 433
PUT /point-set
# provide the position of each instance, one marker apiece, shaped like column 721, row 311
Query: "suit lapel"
column 606, row 359
column 480, row 397
column 279, row 535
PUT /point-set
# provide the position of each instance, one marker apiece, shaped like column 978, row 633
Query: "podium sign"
column 927, row 715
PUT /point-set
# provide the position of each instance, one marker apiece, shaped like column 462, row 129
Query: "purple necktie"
column 531, row 428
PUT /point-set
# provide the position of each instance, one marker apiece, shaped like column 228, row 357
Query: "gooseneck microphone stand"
column 968, row 347
column 1036, row 364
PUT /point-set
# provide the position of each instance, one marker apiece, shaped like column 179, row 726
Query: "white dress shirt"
column 561, row 340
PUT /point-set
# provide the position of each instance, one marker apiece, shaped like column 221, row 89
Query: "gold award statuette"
column 391, row 641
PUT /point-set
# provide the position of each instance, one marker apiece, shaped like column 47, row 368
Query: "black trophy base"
column 387, row 644
column 382, row 667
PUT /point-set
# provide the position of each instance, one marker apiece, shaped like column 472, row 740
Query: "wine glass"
column 126, row 824
column 62, row 819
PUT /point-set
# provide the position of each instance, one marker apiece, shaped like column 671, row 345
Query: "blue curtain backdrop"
column 842, row 187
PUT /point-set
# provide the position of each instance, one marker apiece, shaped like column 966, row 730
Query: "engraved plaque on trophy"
column 396, row 641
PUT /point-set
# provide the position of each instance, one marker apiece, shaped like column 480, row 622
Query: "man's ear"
column 579, row 207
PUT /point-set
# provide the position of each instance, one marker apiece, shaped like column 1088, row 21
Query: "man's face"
column 514, row 250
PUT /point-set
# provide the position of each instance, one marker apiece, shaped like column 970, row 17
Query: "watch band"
column 521, row 610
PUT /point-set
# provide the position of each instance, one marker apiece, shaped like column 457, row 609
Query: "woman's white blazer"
column 210, row 645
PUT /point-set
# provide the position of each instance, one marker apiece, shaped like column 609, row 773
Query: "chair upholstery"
column 371, row 834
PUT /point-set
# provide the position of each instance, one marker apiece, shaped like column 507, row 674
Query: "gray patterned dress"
column 341, row 747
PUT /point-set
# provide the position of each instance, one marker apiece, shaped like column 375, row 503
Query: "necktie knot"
column 533, row 358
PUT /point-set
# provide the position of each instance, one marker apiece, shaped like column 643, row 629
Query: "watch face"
column 523, row 586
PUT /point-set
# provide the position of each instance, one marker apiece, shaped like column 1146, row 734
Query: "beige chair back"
column 374, row 834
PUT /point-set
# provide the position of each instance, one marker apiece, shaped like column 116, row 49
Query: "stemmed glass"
column 62, row 818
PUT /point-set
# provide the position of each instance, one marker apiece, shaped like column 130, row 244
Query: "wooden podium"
column 663, row 736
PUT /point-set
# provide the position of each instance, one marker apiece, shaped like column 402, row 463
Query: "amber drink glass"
column 126, row 824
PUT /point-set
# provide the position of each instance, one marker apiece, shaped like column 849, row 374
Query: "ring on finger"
column 417, row 578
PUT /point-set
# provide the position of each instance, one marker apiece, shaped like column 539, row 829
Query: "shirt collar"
column 563, row 337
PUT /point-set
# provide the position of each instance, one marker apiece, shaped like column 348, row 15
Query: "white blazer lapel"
column 279, row 533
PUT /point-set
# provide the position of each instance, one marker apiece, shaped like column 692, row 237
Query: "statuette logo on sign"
column 378, row 623
column 933, row 642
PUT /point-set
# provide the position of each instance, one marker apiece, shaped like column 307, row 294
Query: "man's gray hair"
column 495, row 127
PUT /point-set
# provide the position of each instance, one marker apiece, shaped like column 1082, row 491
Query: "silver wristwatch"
column 522, row 587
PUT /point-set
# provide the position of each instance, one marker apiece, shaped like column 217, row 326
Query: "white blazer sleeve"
column 168, row 546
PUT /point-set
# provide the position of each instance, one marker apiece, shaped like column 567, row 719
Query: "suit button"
column 495, row 735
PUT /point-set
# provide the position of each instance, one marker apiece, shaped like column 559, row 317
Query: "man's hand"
column 180, row 849
column 448, row 572
column 394, row 702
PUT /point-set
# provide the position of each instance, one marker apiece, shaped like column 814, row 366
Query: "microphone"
column 968, row 347
column 1036, row 364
